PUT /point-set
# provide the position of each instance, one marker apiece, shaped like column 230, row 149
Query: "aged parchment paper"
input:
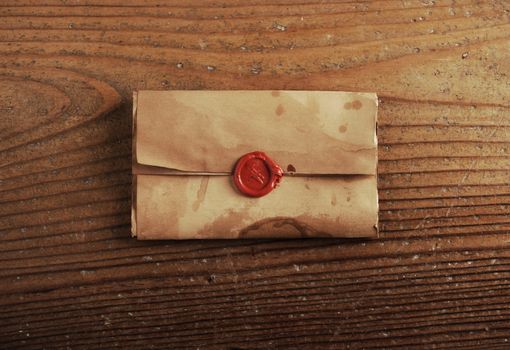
column 187, row 142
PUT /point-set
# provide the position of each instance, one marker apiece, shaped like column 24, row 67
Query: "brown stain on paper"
column 275, row 93
column 342, row 128
column 333, row 200
column 356, row 104
column 289, row 227
column 224, row 224
column 279, row 110
column 299, row 227
column 201, row 193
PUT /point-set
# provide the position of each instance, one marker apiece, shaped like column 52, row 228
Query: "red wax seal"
column 256, row 174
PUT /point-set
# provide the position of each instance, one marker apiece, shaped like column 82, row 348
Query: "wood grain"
column 71, row 276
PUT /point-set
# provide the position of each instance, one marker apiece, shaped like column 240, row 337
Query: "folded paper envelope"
column 186, row 145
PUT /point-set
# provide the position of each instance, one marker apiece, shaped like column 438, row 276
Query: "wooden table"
column 72, row 278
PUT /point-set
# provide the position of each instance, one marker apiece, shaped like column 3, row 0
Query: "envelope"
column 188, row 146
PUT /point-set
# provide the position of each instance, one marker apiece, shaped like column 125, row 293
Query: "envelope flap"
column 311, row 132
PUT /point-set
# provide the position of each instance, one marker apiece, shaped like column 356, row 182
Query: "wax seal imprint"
column 256, row 174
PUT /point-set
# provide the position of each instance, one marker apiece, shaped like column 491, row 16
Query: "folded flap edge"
column 360, row 161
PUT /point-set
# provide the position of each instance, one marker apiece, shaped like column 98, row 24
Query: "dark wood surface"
column 72, row 278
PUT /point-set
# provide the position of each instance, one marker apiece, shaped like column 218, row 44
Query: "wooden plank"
column 72, row 277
